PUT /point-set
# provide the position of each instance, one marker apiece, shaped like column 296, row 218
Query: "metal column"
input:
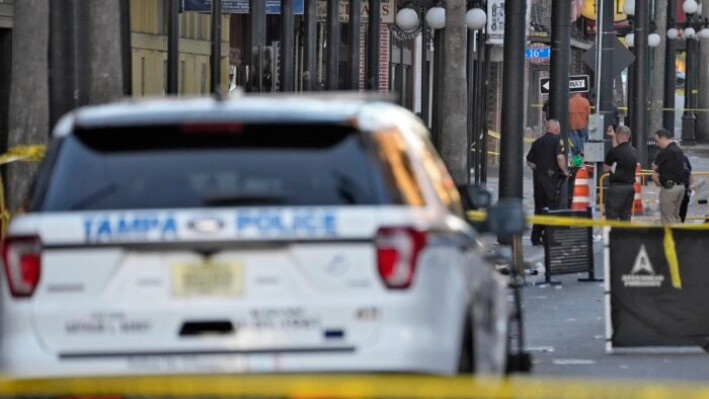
column 126, row 51
column 333, row 43
column 257, row 42
column 438, row 60
column 668, row 116
column 311, row 45
column 640, row 101
column 604, row 79
column 216, row 46
column 287, row 46
column 511, row 145
column 560, row 59
column 425, row 75
column 372, row 77
column 471, row 72
column 486, row 109
column 173, row 47
column 689, row 119
column 353, row 45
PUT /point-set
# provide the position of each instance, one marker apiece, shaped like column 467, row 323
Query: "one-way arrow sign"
column 577, row 84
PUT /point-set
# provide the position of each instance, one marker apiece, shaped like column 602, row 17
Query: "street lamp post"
column 475, row 19
column 692, row 37
column 408, row 22
column 436, row 20
column 639, row 93
column 668, row 114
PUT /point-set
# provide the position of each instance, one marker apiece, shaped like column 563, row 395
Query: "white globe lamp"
column 407, row 19
column 653, row 40
column 690, row 6
column 436, row 17
column 630, row 39
column 672, row 33
column 629, row 7
column 475, row 18
column 704, row 33
column 689, row 33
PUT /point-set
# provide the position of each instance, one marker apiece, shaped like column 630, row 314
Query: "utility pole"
column 560, row 59
column 287, row 46
column 658, row 67
column 668, row 116
column 216, row 62
column 105, row 51
column 375, row 19
column 511, row 145
column 640, row 103
column 453, row 142
column 333, row 43
column 702, row 130
column 353, row 45
column 29, row 91
column 173, row 46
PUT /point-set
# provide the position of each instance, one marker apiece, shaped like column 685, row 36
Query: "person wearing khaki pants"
column 668, row 174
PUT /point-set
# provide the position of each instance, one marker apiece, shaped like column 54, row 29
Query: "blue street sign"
column 239, row 6
column 544, row 52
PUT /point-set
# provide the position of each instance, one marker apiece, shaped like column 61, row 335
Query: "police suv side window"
column 396, row 166
column 443, row 184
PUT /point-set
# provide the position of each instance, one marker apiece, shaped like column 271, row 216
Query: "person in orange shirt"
column 579, row 110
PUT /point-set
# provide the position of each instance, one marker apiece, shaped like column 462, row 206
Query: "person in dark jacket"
column 621, row 161
column 547, row 160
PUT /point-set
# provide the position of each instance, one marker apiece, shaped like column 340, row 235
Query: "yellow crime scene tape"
column 363, row 386
column 30, row 153
column 497, row 135
column 668, row 242
column 335, row 386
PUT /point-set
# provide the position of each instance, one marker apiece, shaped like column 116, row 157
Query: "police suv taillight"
column 22, row 258
column 397, row 251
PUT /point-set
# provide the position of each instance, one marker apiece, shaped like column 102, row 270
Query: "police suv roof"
column 253, row 108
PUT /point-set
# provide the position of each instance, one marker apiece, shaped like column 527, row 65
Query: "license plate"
column 206, row 279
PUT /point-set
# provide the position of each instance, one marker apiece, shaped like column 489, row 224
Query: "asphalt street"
column 565, row 324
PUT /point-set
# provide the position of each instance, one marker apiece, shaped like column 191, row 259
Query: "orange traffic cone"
column 580, row 200
column 637, row 200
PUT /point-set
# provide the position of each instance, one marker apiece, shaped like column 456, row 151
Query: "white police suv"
column 260, row 234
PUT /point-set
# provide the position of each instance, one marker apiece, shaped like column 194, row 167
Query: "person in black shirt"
column 621, row 161
column 548, row 162
column 668, row 174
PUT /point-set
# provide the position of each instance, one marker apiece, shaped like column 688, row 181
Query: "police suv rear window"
column 212, row 165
